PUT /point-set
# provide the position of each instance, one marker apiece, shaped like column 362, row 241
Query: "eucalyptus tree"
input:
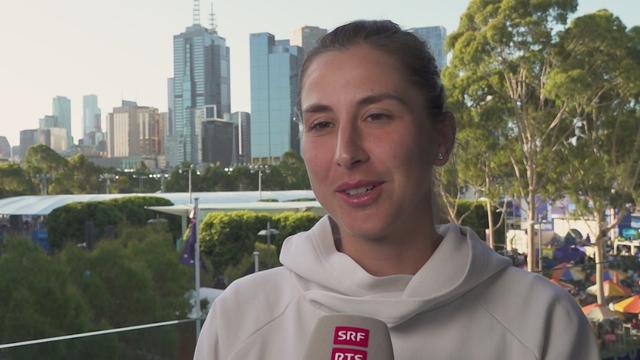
column 501, row 60
column 596, row 77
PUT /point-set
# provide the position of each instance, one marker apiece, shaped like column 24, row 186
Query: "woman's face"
column 368, row 143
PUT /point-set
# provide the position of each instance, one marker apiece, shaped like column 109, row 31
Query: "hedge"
column 67, row 224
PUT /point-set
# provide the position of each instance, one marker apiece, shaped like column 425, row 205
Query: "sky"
column 122, row 49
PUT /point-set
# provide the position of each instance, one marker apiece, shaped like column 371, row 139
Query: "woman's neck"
column 403, row 253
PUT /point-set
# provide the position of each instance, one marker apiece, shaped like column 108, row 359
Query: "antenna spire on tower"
column 196, row 12
column 212, row 19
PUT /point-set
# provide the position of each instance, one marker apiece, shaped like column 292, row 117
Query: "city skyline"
column 73, row 48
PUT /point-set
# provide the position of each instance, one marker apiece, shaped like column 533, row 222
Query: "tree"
column 38, row 301
column 501, row 53
column 85, row 175
column 597, row 79
column 14, row 181
column 294, row 171
column 41, row 160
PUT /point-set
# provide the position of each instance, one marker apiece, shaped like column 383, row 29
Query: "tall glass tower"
column 62, row 110
column 90, row 118
column 435, row 37
column 200, row 78
column 275, row 65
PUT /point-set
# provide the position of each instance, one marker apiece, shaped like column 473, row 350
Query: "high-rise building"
column 150, row 131
column 218, row 142
column 28, row 138
column 200, row 78
column 91, row 117
column 242, row 122
column 62, row 110
column 170, row 111
column 48, row 121
column 307, row 37
column 134, row 131
column 275, row 65
column 434, row 37
column 122, row 131
column 5, row 148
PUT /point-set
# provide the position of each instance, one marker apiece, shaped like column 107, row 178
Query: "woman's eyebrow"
column 376, row 98
column 365, row 101
column 316, row 108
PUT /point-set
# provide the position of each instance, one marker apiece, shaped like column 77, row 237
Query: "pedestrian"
column 374, row 127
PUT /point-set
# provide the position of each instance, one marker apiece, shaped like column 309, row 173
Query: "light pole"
column 256, row 261
column 268, row 232
column 140, row 181
column 108, row 178
column 44, row 185
column 260, row 169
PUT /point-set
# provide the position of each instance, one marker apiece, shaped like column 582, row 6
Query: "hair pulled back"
column 407, row 49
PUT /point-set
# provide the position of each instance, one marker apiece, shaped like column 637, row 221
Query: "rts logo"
column 348, row 354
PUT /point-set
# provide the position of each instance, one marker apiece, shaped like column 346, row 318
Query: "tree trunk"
column 490, row 237
column 600, row 242
column 531, row 218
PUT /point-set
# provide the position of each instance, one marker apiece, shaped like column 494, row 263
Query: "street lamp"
column 268, row 232
column 44, row 185
column 162, row 175
column 108, row 178
column 260, row 169
column 140, row 181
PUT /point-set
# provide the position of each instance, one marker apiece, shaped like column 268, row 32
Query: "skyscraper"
column 275, row 65
column 62, row 110
column 90, row 119
column 5, row 148
column 28, row 138
column 307, row 37
column 123, row 131
column 435, row 37
column 200, row 77
column 242, row 121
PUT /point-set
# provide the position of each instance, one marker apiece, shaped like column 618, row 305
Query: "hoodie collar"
column 335, row 282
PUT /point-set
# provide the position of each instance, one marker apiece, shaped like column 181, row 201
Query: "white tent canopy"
column 44, row 204
column 183, row 210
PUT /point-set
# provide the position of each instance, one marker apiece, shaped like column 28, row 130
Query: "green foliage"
column 14, row 181
column 41, row 159
column 39, row 300
column 268, row 259
column 67, row 224
column 476, row 218
column 227, row 240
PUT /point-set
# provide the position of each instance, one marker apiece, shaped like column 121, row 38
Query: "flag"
column 188, row 256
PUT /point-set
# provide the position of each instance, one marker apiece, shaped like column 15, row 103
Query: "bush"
column 67, row 224
column 227, row 240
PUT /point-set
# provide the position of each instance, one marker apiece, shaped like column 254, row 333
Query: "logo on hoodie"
column 348, row 354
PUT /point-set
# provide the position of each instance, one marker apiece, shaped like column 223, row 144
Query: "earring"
column 440, row 156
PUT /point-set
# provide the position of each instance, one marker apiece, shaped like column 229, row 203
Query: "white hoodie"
column 466, row 302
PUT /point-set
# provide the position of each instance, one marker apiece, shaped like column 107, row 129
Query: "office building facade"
column 91, row 118
column 307, row 37
column 242, row 123
column 201, row 78
column 218, row 142
column 275, row 65
column 62, row 111
column 5, row 148
column 435, row 38
column 28, row 138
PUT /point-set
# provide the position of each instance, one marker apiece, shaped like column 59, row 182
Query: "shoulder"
column 542, row 316
column 244, row 308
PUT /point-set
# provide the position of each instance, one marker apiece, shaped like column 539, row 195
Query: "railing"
column 169, row 340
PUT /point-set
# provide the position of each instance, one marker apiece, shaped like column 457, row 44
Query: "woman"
column 374, row 126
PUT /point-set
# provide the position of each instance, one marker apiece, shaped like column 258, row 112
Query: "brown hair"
column 407, row 49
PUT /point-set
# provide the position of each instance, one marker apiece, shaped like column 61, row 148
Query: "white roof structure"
column 183, row 210
column 45, row 204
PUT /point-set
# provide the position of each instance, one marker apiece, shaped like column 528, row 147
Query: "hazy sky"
column 122, row 49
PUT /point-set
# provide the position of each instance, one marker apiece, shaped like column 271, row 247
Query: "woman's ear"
column 445, row 132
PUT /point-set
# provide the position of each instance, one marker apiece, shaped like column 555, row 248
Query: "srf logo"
column 352, row 336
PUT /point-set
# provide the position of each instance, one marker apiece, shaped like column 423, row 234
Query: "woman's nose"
column 350, row 150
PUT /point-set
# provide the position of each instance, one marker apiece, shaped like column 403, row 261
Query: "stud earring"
column 440, row 156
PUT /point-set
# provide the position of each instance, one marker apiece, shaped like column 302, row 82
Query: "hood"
column 336, row 283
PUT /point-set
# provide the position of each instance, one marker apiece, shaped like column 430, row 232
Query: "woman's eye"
column 320, row 125
column 378, row 116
